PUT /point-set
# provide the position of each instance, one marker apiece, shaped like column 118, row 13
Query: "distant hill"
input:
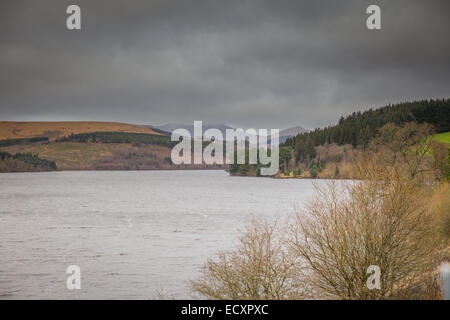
column 54, row 130
column 169, row 127
column 291, row 132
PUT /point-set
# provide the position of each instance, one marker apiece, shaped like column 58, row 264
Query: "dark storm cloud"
column 246, row 63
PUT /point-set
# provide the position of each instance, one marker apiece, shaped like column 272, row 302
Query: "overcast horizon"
column 240, row 63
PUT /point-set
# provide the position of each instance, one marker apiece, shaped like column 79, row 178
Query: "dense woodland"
column 359, row 128
column 11, row 142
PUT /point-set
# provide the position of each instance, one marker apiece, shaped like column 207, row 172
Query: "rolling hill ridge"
column 55, row 130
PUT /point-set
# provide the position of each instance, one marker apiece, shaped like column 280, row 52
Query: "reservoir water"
column 134, row 234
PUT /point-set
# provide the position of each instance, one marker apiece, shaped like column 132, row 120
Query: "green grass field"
column 443, row 137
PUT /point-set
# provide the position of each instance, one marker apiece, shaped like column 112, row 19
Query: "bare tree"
column 347, row 228
column 407, row 147
column 439, row 153
column 259, row 268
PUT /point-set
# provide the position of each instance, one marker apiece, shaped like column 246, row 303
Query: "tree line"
column 11, row 142
column 30, row 159
column 120, row 137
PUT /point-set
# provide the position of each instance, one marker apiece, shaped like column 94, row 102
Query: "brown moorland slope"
column 97, row 156
column 53, row 130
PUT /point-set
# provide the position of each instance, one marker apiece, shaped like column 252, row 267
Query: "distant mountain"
column 291, row 132
column 169, row 127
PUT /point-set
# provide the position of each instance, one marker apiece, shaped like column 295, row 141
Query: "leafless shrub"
column 347, row 228
column 259, row 268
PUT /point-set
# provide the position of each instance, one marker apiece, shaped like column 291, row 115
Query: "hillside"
column 98, row 156
column 54, row 130
column 91, row 151
column 359, row 128
column 442, row 137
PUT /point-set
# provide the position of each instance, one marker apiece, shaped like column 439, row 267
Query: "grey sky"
column 244, row 63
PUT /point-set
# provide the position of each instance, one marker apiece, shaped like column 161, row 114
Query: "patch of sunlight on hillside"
column 443, row 137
